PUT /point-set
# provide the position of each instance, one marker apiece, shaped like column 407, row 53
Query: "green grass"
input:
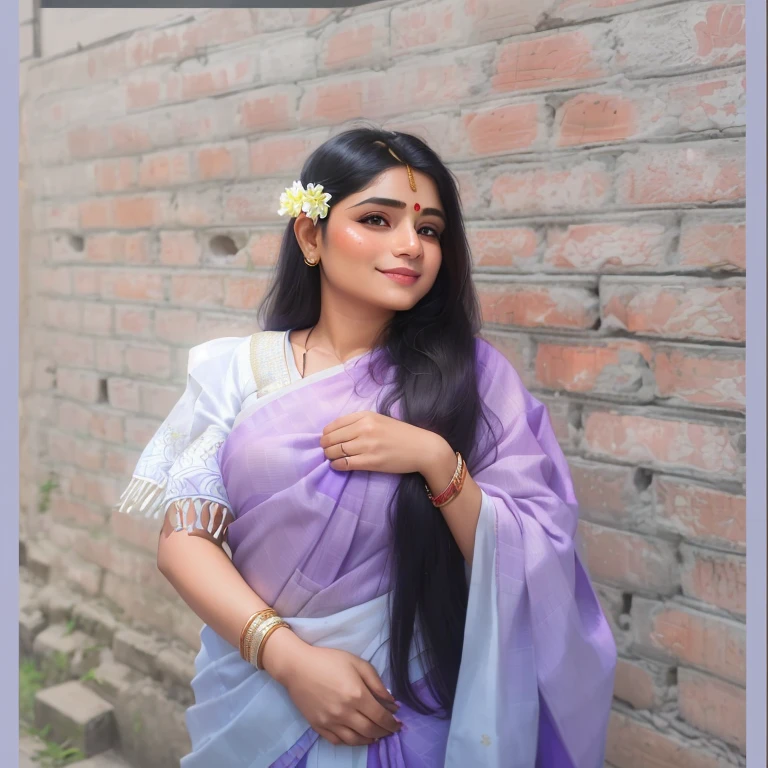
column 31, row 680
column 46, row 489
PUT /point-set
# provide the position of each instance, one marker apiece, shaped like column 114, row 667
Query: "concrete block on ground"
column 138, row 650
column 76, row 716
column 64, row 654
column 30, row 626
column 58, row 602
column 111, row 678
column 96, row 621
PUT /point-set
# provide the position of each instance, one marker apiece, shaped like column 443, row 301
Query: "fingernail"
column 399, row 703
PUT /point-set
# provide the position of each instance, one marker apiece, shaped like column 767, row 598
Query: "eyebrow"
column 398, row 204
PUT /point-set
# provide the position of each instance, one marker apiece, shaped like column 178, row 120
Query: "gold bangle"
column 250, row 621
column 252, row 629
column 260, row 649
column 253, row 645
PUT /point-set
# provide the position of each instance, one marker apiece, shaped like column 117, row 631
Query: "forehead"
column 393, row 183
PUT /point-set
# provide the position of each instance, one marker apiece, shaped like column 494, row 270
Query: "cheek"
column 349, row 242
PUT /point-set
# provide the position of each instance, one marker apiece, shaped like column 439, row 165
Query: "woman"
column 390, row 490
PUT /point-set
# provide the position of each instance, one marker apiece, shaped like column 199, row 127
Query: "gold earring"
column 311, row 263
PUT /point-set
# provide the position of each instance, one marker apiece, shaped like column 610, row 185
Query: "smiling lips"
column 401, row 275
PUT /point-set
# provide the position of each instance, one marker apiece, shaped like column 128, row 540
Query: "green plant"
column 46, row 489
column 54, row 755
column 71, row 626
column 31, row 680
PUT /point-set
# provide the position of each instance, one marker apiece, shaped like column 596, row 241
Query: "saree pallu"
column 536, row 677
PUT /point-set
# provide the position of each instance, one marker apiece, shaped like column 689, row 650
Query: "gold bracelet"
column 247, row 625
column 252, row 630
column 253, row 646
column 260, row 649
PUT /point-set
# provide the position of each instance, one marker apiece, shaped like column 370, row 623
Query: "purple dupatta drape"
column 314, row 542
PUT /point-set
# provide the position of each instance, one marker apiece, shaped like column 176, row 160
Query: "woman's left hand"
column 379, row 443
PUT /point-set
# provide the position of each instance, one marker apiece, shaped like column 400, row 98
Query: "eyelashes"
column 366, row 220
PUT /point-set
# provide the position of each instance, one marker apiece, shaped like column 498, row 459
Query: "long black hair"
column 432, row 347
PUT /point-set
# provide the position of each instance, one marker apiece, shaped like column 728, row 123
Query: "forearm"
column 208, row 582
column 463, row 511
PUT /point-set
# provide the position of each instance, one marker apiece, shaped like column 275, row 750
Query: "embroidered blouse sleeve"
column 179, row 466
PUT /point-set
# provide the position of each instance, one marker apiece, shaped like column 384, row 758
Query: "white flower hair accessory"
column 312, row 200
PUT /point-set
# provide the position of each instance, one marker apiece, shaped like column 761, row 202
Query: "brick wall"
column 600, row 151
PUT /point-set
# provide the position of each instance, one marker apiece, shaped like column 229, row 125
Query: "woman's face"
column 380, row 229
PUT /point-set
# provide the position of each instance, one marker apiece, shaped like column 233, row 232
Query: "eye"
column 369, row 219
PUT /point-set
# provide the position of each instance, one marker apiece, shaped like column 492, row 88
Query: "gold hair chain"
column 408, row 168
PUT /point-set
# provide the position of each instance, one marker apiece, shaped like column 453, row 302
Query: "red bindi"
column 416, row 207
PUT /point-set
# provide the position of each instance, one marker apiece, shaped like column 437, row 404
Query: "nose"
column 407, row 242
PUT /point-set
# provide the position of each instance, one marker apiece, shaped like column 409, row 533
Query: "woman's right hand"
column 337, row 692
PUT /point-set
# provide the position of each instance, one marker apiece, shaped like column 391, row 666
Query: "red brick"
column 638, row 744
column 714, row 706
column 95, row 214
column 129, row 135
column 213, row 325
column 658, row 440
column 56, row 280
column 123, row 394
column 97, row 318
column 593, row 118
column 222, row 161
column 177, row 326
column 617, row 369
column 111, row 248
column 100, row 489
column 502, row 129
column 86, row 282
column 139, row 431
column 133, row 321
column 244, row 292
column 537, row 305
column 693, row 309
column 552, row 187
column 263, row 248
column 197, row 290
column 716, row 578
column 157, row 399
column 630, row 560
column 79, row 385
column 702, row 35
column 197, row 207
column 164, row 169
column 673, row 632
column 120, row 461
column 78, row 512
column 152, row 361
column 610, row 246
column 643, row 684
column 282, row 153
column 139, row 212
column 704, row 172
column 110, row 355
column 610, row 494
column 718, row 244
column 142, row 93
column 179, row 249
column 115, row 175
column 514, row 248
column 357, row 42
column 62, row 315
column 552, row 59
column 705, row 515
column 246, row 203
column 74, row 350
column 88, row 141
column 711, row 377
column 265, row 109
column 132, row 286
column 107, row 426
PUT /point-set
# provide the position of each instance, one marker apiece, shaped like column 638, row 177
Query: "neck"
column 345, row 332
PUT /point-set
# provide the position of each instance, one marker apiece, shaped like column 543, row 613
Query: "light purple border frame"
column 9, row 397
column 756, row 382
column 756, row 389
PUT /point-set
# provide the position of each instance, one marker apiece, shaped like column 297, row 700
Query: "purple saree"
column 313, row 542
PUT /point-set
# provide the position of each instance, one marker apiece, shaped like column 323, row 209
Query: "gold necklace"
column 304, row 355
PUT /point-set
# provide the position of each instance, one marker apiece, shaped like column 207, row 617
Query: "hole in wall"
column 222, row 245
column 642, row 479
column 76, row 243
column 103, row 395
column 626, row 602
